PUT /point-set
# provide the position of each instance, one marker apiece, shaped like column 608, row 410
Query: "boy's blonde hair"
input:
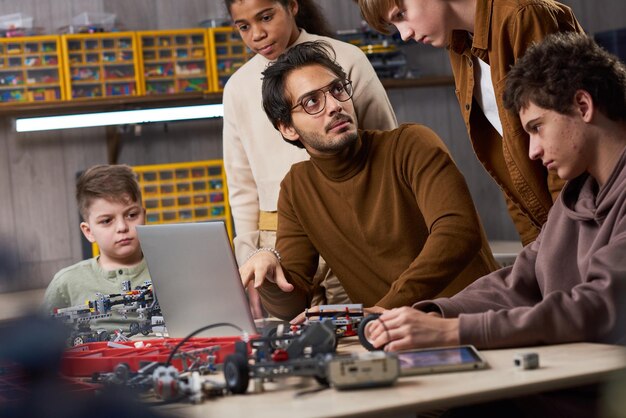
column 117, row 183
column 375, row 13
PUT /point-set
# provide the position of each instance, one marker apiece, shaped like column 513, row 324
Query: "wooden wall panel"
column 37, row 274
column 50, row 15
column 217, row 9
column 174, row 142
column 603, row 15
column 204, row 139
column 7, row 214
column 424, row 60
column 341, row 14
column 82, row 148
column 39, row 188
column 172, row 14
column 165, row 14
column 134, row 14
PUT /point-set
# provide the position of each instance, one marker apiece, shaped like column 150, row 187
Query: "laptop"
column 195, row 278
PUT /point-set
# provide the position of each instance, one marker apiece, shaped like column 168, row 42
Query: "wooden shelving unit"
column 164, row 100
column 179, row 99
column 127, row 70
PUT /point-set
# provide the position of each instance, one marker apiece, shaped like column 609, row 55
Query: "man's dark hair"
column 276, row 103
column 551, row 72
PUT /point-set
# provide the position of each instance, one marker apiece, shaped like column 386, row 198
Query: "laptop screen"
column 195, row 278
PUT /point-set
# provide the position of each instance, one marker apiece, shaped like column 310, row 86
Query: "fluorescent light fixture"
column 125, row 117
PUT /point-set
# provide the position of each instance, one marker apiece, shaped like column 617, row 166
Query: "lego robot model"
column 276, row 356
column 345, row 318
column 312, row 354
column 166, row 381
column 79, row 318
column 140, row 301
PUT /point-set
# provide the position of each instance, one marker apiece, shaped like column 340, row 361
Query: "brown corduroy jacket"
column 503, row 30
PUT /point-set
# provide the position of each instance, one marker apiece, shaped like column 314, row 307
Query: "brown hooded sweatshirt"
column 569, row 285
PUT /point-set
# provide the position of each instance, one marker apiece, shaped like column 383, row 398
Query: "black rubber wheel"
column 270, row 332
column 104, row 336
column 146, row 328
column 275, row 342
column 237, row 373
column 323, row 381
column 133, row 328
column 364, row 341
column 121, row 373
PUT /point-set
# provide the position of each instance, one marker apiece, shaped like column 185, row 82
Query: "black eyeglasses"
column 314, row 102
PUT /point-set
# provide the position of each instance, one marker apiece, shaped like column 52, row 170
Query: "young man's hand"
column 261, row 266
column 407, row 328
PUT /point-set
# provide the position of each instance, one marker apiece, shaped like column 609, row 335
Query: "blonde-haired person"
column 484, row 39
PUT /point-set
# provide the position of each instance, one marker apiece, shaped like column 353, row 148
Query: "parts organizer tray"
column 30, row 69
column 86, row 359
column 185, row 192
column 229, row 53
column 101, row 65
column 175, row 61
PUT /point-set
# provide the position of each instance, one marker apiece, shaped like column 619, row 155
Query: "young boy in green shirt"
column 110, row 204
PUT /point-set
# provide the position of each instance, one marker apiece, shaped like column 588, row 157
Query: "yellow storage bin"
column 229, row 53
column 175, row 61
column 101, row 65
column 31, row 70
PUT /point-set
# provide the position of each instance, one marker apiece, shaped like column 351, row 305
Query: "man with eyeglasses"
column 388, row 210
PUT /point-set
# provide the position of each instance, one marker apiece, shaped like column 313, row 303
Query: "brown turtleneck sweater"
column 392, row 216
